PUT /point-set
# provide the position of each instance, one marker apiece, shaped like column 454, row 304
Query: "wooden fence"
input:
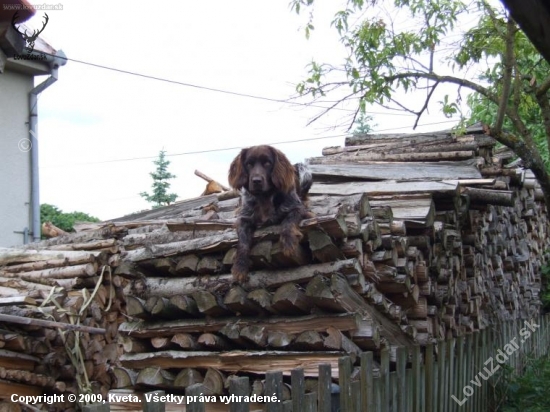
column 459, row 374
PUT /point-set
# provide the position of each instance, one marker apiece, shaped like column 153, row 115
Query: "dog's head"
column 262, row 169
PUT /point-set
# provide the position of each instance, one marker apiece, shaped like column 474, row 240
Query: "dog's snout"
column 257, row 180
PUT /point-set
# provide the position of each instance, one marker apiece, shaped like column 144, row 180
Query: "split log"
column 336, row 340
column 156, row 377
column 214, row 342
column 124, row 378
column 238, row 302
column 322, row 247
column 186, row 341
column 187, row 377
column 289, row 299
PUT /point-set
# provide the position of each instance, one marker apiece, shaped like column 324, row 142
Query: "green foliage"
column 160, row 196
column 363, row 124
column 64, row 221
column 545, row 293
column 529, row 392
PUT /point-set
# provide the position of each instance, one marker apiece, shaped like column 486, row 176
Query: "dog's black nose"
column 256, row 181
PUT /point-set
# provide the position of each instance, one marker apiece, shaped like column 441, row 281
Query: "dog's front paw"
column 240, row 273
column 290, row 239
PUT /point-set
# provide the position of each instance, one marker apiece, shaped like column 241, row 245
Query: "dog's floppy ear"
column 238, row 177
column 283, row 172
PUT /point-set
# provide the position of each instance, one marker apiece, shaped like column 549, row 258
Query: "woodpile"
column 415, row 238
column 60, row 308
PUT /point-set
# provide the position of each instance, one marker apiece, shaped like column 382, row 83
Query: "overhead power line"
column 216, row 90
column 224, row 149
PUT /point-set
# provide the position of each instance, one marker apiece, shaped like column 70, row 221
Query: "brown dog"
column 272, row 191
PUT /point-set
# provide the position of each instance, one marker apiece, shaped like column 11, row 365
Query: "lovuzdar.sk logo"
column 30, row 39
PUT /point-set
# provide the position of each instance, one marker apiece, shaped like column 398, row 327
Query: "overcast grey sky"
column 93, row 119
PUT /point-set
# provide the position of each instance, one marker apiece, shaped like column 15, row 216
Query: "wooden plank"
column 291, row 325
column 384, row 188
column 234, row 361
column 395, row 171
column 411, row 209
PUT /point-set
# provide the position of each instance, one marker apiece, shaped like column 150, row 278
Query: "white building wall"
column 15, row 165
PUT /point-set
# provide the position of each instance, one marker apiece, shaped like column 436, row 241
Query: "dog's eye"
column 249, row 165
column 267, row 164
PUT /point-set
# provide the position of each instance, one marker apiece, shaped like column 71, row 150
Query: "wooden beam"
column 236, row 361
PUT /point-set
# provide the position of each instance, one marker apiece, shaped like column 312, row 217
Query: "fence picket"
column 385, row 378
column 324, row 393
column 416, row 379
column 310, row 402
column 367, row 388
column 297, row 389
column 344, row 374
column 239, row 387
column 195, row 390
column 401, row 366
column 430, row 378
column 274, row 387
column 153, row 406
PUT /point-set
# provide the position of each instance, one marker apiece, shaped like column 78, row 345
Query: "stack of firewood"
column 415, row 238
column 60, row 308
column 400, row 251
